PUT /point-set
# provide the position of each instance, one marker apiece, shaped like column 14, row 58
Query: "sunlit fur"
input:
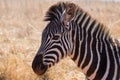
column 85, row 40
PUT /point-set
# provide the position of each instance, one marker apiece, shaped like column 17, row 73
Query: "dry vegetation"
column 21, row 24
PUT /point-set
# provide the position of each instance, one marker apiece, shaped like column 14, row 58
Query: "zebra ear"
column 68, row 13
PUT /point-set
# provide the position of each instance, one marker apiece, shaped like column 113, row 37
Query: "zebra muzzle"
column 38, row 67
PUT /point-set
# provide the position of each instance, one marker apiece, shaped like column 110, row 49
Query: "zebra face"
column 55, row 45
column 57, row 38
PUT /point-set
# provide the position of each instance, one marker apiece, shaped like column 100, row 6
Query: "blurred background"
column 21, row 25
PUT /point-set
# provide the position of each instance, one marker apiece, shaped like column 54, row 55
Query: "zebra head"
column 57, row 41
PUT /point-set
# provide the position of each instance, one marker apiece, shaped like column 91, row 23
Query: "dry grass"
column 21, row 24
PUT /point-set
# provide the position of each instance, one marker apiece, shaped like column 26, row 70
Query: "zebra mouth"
column 40, row 70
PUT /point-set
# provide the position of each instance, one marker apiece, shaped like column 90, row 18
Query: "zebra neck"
column 86, row 29
column 89, row 36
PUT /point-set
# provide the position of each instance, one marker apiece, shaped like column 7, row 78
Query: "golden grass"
column 21, row 25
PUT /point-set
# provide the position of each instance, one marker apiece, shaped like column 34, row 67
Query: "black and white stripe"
column 84, row 39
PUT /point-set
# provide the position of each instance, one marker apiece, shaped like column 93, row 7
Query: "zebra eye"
column 55, row 37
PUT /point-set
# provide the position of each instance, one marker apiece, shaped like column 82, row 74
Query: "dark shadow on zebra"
column 73, row 32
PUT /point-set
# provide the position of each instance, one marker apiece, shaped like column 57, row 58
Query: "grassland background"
column 21, row 24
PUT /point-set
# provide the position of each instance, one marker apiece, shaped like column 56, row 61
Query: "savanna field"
column 21, row 25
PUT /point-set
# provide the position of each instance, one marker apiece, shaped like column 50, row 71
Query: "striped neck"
column 89, row 36
column 85, row 28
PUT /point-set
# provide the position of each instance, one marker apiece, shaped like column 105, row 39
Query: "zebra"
column 73, row 32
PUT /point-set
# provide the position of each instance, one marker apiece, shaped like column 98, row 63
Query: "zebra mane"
column 56, row 11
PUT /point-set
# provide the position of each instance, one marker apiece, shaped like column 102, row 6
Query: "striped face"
column 55, row 45
column 56, row 38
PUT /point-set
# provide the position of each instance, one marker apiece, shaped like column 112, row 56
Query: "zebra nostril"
column 37, row 60
column 40, row 57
